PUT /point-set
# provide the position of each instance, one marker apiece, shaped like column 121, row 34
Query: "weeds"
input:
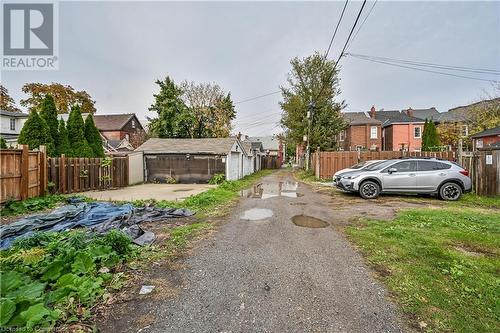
column 54, row 278
column 31, row 205
column 443, row 265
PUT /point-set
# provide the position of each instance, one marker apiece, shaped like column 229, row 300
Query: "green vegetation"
column 442, row 264
column 430, row 138
column 48, row 113
column 62, row 143
column 214, row 201
column 179, row 236
column 35, row 133
column 474, row 200
column 217, row 179
column 3, row 143
column 54, row 278
column 31, row 205
column 93, row 137
column 76, row 134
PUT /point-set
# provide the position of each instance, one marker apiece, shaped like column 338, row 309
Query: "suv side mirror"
column 392, row 170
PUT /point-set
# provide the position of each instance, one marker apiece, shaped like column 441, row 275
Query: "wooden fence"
column 23, row 173
column 26, row 174
column 484, row 170
column 270, row 162
column 72, row 175
column 325, row 164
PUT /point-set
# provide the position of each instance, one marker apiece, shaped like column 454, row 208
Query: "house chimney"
column 409, row 112
column 239, row 135
column 372, row 112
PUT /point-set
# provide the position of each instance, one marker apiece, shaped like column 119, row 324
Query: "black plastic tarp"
column 98, row 217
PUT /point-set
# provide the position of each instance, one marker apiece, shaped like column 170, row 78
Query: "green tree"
column 76, row 134
column 174, row 120
column 93, row 137
column 3, row 143
column 62, row 143
column 35, row 133
column 432, row 137
column 312, row 79
column 425, row 136
column 48, row 112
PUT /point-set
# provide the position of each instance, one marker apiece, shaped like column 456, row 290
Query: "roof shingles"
column 219, row 146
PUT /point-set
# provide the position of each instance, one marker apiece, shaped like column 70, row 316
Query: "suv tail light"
column 464, row 172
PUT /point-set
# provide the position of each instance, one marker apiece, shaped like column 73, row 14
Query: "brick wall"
column 398, row 134
column 359, row 135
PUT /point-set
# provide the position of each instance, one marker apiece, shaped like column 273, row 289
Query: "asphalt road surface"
column 263, row 273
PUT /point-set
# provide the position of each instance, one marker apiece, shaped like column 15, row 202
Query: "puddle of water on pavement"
column 271, row 190
column 309, row 221
column 256, row 214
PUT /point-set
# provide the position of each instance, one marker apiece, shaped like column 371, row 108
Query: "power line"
column 362, row 23
column 325, row 56
column 335, row 32
column 428, row 70
column 429, row 64
column 343, row 50
column 257, row 97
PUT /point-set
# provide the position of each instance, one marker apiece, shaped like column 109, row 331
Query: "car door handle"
column 411, row 174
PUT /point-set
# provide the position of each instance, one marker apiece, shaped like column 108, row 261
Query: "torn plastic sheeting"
column 99, row 217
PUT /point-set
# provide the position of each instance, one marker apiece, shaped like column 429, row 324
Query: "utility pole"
column 309, row 122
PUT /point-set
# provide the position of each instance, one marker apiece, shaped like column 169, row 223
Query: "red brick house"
column 487, row 138
column 121, row 126
column 400, row 130
column 362, row 132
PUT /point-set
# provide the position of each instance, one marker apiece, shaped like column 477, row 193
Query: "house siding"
column 398, row 134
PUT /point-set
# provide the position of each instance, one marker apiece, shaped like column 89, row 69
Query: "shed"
column 192, row 160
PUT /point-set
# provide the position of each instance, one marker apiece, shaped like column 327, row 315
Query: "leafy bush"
column 217, row 179
column 31, row 205
column 56, row 277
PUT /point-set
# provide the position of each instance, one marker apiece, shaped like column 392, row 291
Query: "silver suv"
column 408, row 175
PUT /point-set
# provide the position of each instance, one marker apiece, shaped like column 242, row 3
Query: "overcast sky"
column 116, row 50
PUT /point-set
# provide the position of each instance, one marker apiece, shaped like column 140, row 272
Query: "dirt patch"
column 472, row 251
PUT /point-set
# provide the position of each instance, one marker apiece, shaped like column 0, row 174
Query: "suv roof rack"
column 416, row 157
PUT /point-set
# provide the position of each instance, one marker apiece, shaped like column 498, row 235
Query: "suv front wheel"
column 369, row 190
column 450, row 191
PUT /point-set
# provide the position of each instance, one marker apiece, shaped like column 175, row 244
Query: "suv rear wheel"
column 450, row 191
column 369, row 190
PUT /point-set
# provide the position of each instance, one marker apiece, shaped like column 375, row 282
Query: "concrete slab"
column 172, row 192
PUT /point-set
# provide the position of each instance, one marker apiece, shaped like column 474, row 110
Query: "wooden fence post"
column 43, row 175
column 62, row 174
column 24, row 172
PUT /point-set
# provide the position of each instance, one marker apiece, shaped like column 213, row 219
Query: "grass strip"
column 442, row 264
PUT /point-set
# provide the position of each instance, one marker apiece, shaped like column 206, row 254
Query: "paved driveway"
column 172, row 192
column 264, row 272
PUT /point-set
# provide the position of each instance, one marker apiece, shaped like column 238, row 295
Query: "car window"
column 377, row 165
column 431, row 165
column 405, row 166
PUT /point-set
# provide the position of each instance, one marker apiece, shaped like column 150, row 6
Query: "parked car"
column 355, row 167
column 412, row 175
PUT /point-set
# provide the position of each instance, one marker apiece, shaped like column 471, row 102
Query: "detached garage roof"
column 218, row 146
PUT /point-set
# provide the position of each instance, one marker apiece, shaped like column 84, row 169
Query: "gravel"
column 273, row 276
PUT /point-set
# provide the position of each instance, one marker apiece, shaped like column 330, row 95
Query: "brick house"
column 362, row 132
column 400, row 130
column 116, row 127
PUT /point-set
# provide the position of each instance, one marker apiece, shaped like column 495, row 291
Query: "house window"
column 12, row 124
column 417, row 131
column 373, row 132
column 342, row 136
column 479, row 143
column 465, row 130
column 133, row 123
